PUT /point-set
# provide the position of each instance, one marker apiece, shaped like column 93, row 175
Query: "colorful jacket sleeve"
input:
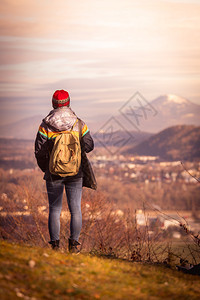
column 87, row 143
column 41, row 147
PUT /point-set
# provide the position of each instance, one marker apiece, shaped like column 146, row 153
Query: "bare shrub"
column 23, row 221
column 107, row 230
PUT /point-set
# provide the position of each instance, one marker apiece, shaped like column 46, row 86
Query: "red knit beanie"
column 60, row 98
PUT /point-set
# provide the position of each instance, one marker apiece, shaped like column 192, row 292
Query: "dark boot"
column 54, row 244
column 73, row 246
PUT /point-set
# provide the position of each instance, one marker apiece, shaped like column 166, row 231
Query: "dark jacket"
column 58, row 120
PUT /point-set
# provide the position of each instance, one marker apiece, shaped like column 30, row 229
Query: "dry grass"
column 58, row 275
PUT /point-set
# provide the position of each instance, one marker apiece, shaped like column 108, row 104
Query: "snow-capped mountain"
column 170, row 98
column 164, row 111
column 175, row 110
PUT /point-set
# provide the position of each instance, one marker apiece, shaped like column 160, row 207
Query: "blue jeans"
column 73, row 190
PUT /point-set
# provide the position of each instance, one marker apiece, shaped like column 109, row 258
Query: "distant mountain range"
column 23, row 129
column 165, row 111
column 120, row 138
column 180, row 142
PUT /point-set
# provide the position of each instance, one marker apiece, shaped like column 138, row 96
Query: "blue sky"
column 102, row 52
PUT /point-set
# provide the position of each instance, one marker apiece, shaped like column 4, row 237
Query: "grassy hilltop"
column 38, row 273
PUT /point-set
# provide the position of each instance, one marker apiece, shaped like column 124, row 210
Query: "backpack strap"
column 79, row 128
column 74, row 124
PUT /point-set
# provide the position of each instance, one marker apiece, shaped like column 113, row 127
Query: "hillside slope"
column 180, row 142
column 37, row 273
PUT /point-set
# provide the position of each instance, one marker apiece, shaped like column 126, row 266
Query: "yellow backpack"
column 65, row 157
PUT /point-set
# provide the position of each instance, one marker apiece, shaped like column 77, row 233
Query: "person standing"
column 59, row 120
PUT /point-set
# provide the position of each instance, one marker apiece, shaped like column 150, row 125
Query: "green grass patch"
column 57, row 275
